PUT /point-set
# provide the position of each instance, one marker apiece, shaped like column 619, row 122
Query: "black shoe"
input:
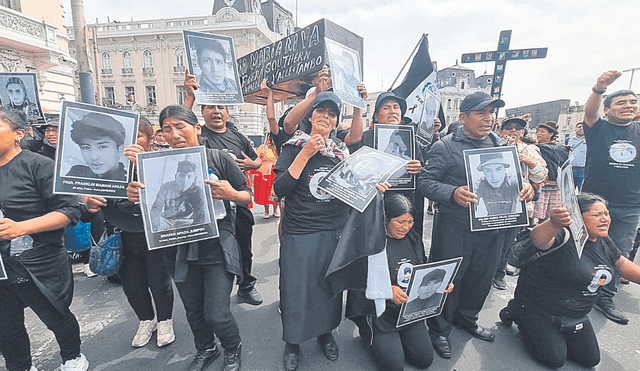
column 441, row 345
column 252, row 296
column 329, row 346
column 114, row 278
column 232, row 359
column 481, row 333
column 507, row 314
column 203, row 359
column 291, row 357
column 499, row 283
column 609, row 309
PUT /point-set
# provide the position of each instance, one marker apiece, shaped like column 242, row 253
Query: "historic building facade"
column 140, row 65
column 33, row 39
column 455, row 83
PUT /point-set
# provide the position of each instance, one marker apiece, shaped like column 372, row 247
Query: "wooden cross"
column 501, row 56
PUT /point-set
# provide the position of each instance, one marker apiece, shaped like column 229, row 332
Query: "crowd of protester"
column 553, row 294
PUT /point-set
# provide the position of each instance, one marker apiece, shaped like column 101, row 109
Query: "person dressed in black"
column 145, row 280
column 392, row 346
column 204, row 271
column 37, row 264
column 557, row 291
column 47, row 145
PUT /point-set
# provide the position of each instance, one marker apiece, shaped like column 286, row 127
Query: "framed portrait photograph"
column 569, row 200
column 19, row 91
column 176, row 203
column 397, row 140
column 353, row 180
column 495, row 176
column 426, row 290
column 345, row 73
column 3, row 271
column 212, row 59
column 90, row 154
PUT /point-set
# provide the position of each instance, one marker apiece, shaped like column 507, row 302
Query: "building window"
column 130, row 94
column 462, row 85
column 178, row 60
column 127, row 65
column 181, row 93
column 147, row 62
column 151, row 95
column 109, row 96
column 11, row 4
column 457, row 103
column 449, row 103
column 106, row 64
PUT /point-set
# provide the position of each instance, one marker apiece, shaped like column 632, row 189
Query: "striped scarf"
column 331, row 148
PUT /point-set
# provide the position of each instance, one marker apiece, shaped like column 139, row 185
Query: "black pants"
column 509, row 237
column 244, row 232
column 550, row 346
column 143, row 271
column 410, row 342
column 205, row 295
column 481, row 254
column 14, row 340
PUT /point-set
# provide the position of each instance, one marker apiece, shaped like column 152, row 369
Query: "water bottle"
column 218, row 205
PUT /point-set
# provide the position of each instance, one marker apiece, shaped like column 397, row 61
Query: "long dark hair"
column 180, row 112
column 586, row 200
column 395, row 205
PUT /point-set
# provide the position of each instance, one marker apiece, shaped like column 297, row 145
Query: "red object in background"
column 262, row 185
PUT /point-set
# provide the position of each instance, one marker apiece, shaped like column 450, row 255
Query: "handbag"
column 106, row 256
column 524, row 252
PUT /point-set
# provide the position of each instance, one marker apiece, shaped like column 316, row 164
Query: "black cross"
column 501, row 56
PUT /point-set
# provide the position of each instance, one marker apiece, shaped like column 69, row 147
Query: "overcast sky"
column 584, row 37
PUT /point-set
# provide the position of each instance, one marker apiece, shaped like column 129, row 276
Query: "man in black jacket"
column 443, row 180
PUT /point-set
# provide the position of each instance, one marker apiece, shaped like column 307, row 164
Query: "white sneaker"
column 76, row 364
column 165, row 335
column 145, row 330
column 87, row 270
column 33, row 368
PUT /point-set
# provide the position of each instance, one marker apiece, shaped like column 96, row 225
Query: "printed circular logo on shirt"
column 622, row 152
column 404, row 275
column 600, row 278
column 313, row 187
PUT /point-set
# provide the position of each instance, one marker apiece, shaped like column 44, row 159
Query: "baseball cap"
column 520, row 123
column 390, row 95
column 478, row 101
column 330, row 97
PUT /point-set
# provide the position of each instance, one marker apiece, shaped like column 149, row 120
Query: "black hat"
column 103, row 124
column 390, row 95
column 492, row 158
column 478, row 101
column 330, row 97
column 551, row 126
column 520, row 123
column 434, row 275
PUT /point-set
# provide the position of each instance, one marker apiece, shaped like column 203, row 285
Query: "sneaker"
column 609, row 309
column 232, row 359
column 265, row 216
column 252, row 296
column 33, row 368
column 77, row 364
column 499, row 283
column 203, row 359
column 165, row 335
column 145, row 331
column 87, row 270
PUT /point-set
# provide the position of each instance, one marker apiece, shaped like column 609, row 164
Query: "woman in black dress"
column 38, row 271
column 556, row 291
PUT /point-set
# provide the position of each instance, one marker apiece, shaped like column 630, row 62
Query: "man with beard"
column 179, row 202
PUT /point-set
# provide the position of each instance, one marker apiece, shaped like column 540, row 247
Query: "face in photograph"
column 494, row 174
column 16, row 91
column 101, row 154
column 185, row 179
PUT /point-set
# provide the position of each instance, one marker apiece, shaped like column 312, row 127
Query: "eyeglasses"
column 511, row 127
column 51, row 130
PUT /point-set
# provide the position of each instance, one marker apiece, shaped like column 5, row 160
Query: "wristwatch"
column 599, row 92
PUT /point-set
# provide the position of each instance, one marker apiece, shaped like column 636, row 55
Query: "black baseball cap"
column 327, row 96
column 478, row 101
column 520, row 123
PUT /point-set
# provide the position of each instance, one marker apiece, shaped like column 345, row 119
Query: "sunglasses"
column 512, row 127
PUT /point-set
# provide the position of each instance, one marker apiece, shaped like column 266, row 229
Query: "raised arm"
column 271, row 111
column 592, row 107
column 543, row 235
column 191, row 86
column 357, row 123
column 302, row 109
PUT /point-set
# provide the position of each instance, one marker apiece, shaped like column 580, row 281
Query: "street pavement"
column 108, row 324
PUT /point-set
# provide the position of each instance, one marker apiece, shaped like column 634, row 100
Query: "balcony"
column 107, row 72
column 147, row 70
column 28, row 32
column 178, row 69
column 127, row 71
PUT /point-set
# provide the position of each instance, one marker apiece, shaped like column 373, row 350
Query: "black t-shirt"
column 562, row 284
column 308, row 209
column 279, row 139
column 613, row 165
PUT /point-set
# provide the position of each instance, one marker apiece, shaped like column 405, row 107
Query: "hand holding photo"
column 397, row 140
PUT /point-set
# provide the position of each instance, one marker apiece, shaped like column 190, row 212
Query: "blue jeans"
column 578, row 176
column 624, row 223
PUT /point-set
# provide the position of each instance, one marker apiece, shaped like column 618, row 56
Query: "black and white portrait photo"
column 398, row 140
column 90, row 154
column 19, row 91
column 3, row 271
column 569, row 200
column 212, row 59
column 353, row 180
column 345, row 73
column 426, row 290
column 176, row 203
column 495, row 176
